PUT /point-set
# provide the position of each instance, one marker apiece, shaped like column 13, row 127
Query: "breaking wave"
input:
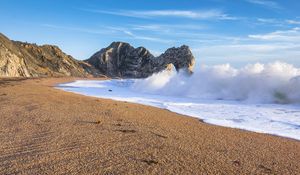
column 276, row 82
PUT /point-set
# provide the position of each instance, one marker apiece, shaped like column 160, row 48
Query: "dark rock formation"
column 19, row 59
column 181, row 57
column 122, row 60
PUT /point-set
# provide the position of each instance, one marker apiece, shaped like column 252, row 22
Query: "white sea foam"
column 271, row 83
column 260, row 98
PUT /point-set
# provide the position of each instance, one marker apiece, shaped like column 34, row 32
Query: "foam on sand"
column 258, row 97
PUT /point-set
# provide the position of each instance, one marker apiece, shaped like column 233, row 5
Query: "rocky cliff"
column 120, row 59
column 19, row 59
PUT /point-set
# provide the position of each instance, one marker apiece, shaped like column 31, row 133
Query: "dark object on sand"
column 98, row 122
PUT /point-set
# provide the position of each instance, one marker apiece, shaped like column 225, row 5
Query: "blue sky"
column 218, row 31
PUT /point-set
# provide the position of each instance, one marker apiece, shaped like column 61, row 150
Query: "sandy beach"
column 44, row 130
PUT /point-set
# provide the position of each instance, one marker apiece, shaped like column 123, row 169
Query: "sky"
column 238, row 32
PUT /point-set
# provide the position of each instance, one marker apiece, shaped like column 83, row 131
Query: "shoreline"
column 200, row 120
column 42, row 125
column 64, row 87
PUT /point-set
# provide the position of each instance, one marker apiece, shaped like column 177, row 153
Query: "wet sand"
column 44, row 130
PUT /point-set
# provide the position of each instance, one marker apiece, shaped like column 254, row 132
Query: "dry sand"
column 44, row 130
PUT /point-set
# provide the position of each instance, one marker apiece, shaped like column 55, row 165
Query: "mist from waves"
column 276, row 82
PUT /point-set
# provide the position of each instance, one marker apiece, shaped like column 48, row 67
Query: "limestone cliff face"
column 11, row 62
column 19, row 59
column 122, row 60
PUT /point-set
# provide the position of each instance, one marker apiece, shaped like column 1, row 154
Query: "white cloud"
column 292, row 35
column 271, row 21
column 166, row 27
column 277, row 22
column 266, row 3
column 267, row 20
column 204, row 14
column 138, row 37
column 292, row 22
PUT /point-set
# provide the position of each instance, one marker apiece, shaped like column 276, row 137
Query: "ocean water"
column 260, row 98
